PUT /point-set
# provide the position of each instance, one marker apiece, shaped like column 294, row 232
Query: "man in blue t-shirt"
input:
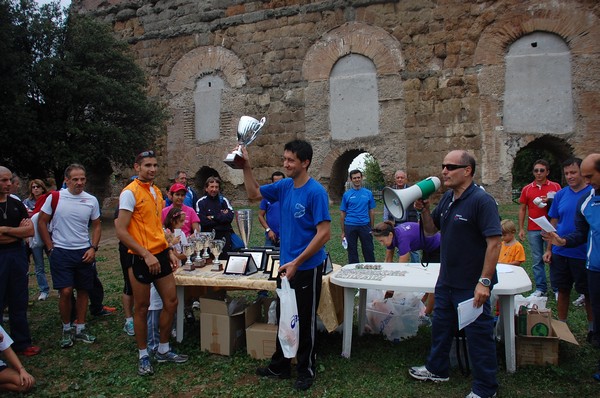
column 357, row 215
column 469, row 222
column 567, row 264
column 268, row 215
column 305, row 228
column 587, row 229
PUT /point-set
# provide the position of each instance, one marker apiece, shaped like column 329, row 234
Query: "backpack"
column 36, row 239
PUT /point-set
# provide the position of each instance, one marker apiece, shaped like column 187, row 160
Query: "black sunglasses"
column 539, row 170
column 452, row 167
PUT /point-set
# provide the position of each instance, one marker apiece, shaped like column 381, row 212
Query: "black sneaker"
column 303, row 383
column 267, row 372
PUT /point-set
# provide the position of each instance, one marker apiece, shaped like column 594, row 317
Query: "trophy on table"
column 216, row 247
column 199, row 262
column 243, row 218
column 247, row 132
column 188, row 250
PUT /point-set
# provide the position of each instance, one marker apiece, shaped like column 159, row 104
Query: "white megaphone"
column 398, row 200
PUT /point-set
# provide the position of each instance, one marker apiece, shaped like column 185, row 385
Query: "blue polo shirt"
column 356, row 203
column 465, row 223
column 564, row 207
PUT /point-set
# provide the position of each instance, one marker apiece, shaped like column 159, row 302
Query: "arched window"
column 207, row 106
column 537, row 96
column 354, row 108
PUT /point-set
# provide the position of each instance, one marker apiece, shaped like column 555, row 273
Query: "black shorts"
column 142, row 273
column 125, row 260
column 567, row 271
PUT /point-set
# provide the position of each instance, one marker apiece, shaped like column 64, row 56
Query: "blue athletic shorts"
column 68, row 270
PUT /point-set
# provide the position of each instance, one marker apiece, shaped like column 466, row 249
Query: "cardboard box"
column 541, row 351
column 261, row 340
column 261, row 336
column 221, row 331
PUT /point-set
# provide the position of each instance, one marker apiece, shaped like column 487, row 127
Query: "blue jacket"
column 587, row 227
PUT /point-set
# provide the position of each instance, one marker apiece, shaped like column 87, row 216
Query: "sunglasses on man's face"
column 539, row 170
column 452, row 167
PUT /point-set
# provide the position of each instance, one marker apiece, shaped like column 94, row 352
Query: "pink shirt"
column 190, row 218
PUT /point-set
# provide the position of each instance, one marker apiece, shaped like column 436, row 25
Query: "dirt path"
column 108, row 232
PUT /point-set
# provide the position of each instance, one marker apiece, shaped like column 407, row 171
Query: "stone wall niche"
column 538, row 95
column 354, row 107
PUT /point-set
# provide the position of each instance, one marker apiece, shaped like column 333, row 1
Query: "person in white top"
column 72, row 251
column 14, row 378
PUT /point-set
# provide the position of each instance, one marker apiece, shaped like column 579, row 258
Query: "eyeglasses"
column 35, row 187
column 539, row 170
column 452, row 167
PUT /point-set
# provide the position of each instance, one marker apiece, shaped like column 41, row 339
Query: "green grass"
column 378, row 368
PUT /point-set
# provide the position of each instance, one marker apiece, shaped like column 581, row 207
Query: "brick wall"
column 440, row 68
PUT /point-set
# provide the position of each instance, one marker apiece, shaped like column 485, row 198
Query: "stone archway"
column 385, row 52
column 553, row 149
column 339, row 174
column 184, row 150
column 581, row 32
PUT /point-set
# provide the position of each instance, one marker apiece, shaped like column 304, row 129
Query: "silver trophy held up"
column 247, row 132
column 243, row 219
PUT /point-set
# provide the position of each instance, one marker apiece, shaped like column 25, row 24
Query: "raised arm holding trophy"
column 248, row 128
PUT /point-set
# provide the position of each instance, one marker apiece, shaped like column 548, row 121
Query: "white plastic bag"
column 272, row 318
column 396, row 318
column 289, row 325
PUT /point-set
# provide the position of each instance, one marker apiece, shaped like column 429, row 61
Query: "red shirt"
column 532, row 191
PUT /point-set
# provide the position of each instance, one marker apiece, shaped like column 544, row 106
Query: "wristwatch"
column 268, row 230
column 95, row 248
column 485, row 281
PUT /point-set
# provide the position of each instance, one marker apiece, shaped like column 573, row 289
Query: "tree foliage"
column 71, row 93
column 373, row 173
column 523, row 166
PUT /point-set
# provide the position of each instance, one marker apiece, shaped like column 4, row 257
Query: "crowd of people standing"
column 294, row 213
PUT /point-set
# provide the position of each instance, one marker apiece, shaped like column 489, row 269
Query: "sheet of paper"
column 467, row 313
column 543, row 223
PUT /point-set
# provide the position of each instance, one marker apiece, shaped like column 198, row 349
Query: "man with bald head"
column 15, row 226
column 468, row 220
column 587, row 228
column 401, row 182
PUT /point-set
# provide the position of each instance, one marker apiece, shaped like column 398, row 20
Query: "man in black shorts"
column 139, row 227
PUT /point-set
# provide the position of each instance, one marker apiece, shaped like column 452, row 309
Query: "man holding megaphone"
column 469, row 222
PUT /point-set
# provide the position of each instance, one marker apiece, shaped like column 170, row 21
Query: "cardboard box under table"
column 538, row 350
column 261, row 336
column 223, row 332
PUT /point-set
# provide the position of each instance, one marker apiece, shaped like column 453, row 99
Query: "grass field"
column 378, row 368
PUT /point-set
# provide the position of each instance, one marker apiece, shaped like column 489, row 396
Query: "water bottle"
column 522, row 322
column 345, row 244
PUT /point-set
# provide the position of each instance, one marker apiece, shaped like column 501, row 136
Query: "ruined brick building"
column 405, row 80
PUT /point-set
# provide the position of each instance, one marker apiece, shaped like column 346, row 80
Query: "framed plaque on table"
column 274, row 267
column 259, row 255
column 269, row 261
column 240, row 264
column 328, row 267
